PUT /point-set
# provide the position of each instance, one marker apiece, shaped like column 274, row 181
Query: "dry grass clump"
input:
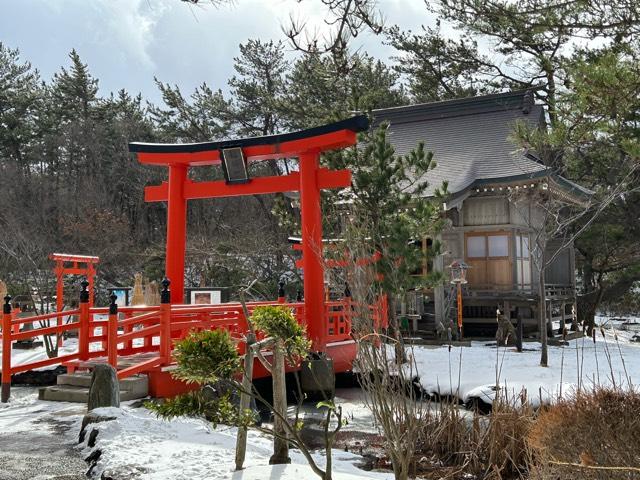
column 593, row 435
column 476, row 446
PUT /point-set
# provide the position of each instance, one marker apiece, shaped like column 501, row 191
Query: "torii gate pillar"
column 176, row 231
column 311, row 217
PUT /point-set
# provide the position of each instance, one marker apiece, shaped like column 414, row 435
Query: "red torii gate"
column 306, row 145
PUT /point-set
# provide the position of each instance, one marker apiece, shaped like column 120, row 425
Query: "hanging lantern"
column 459, row 272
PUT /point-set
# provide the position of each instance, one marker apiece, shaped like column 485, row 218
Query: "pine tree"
column 258, row 88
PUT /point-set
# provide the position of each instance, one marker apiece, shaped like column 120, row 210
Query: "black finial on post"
column 113, row 306
column 6, row 308
column 84, row 293
column 281, row 292
column 347, row 290
column 299, row 296
column 165, row 295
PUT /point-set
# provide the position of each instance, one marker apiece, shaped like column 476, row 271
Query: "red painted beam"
column 257, row 186
column 319, row 143
column 73, row 258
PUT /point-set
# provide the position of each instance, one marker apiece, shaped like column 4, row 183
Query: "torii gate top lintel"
column 331, row 136
column 309, row 181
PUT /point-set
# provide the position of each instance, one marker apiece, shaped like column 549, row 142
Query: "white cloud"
column 129, row 26
column 128, row 42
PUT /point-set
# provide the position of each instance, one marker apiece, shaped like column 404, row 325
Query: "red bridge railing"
column 107, row 335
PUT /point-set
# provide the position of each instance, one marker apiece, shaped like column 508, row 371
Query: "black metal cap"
column 165, row 295
column 113, row 306
column 84, row 293
column 6, row 308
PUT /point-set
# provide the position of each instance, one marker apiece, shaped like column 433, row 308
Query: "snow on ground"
column 473, row 372
column 140, row 444
column 186, row 448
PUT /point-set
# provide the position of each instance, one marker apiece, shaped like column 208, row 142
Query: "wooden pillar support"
column 6, row 350
column 176, row 231
column 112, row 333
column 165, row 321
column 311, row 217
column 85, row 322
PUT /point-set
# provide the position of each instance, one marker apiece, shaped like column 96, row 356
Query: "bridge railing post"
column 85, row 322
column 112, row 332
column 6, row 350
column 165, row 320
column 15, row 328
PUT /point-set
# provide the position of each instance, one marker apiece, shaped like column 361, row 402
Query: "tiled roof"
column 469, row 138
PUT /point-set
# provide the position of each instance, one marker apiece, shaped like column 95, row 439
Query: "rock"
column 91, row 418
column 92, row 460
column 105, row 389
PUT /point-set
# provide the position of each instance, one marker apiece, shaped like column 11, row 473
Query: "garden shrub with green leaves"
column 198, row 404
column 280, row 323
column 206, row 357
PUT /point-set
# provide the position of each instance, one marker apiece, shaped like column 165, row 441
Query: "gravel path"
column 37, row 439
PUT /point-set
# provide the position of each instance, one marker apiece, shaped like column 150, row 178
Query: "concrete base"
column 317, row 377
column 75, row 388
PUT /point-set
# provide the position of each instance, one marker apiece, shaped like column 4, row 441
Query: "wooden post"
column 6, row 350
column 165, row 321
column 561, row 330
column 112, row 333
column 519, row 330
column 280, row 442
column 128, row 345
column 59, row 297
column 85, row 322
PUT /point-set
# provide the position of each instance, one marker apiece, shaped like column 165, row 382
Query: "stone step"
column 75, row 388
column 83, row 379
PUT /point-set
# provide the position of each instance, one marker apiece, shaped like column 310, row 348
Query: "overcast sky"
column 128, row 42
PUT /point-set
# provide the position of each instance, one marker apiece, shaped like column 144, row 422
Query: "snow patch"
column 473, row 372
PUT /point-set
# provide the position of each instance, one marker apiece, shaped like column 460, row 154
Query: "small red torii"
column 306, row 145
column 76, row 268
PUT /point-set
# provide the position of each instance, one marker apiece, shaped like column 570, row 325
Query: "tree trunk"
column 280, row 442
column 542, row 317
column 245, row 400
column 400, row 468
